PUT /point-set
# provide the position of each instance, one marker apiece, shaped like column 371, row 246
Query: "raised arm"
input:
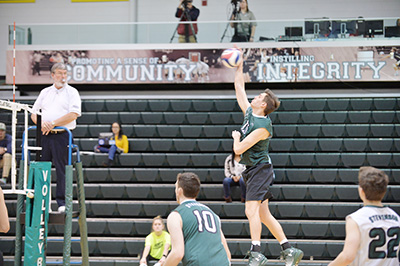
column 241, row 95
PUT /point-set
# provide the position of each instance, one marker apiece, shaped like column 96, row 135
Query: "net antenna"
column 14, row 65
column 16, row 107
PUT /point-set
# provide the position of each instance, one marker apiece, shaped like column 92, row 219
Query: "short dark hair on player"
column 373, row 182
column 272, row 102
column 190, row 183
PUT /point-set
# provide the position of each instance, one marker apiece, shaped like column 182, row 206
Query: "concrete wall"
column 63, row 11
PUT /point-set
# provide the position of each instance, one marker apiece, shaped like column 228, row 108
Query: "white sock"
column 256, row 243
column 283, row 241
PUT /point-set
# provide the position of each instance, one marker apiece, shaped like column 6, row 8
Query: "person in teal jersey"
column 252, row 143
column 196, row 235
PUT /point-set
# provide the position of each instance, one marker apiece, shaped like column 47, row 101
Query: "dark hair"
column 272, row 102
column 190, row 183
column 120, row 133
column 373, row 182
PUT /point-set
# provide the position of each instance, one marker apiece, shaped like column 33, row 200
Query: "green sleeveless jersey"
column 201, row 229
column 259, row 152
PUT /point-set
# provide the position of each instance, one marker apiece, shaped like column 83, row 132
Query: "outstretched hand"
column 240, row 65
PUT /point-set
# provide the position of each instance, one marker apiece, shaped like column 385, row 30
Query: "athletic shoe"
column 3, row 181
column 256, row 258
column 292, row 256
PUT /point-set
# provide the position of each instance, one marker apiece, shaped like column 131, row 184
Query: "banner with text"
column 305, row 64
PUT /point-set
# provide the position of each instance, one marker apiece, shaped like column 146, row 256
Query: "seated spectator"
column 121, row 145
column 5, row 153
column 157, row 244
column 233, row 177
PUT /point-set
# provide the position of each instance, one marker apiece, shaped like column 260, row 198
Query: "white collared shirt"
column 56, row 103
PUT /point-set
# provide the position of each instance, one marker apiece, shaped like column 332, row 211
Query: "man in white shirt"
column 61, row 106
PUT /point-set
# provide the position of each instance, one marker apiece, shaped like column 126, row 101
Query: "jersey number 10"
column 205, row 220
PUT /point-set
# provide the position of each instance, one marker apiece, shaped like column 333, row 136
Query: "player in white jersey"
column 372, row 232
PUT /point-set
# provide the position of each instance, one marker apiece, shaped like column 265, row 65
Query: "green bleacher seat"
column 287, row 117
column 381, row 160
column 276, row 144
column 193, row 131
column 198, row 118
column 347, row 193
column 353, row 159
column 164, row 131
column 281, row 131
column 313, row 117
column 88, row 118
column 94, row 130
column 315, row 104
column 306, row 145
column 324, row 175
column 360, row 104
column 208, row 145
column 357, row 130
column 175, row 118
column 309, row 130
column 81, row 131
column 221, row 118
column 381, row 144
column 237, row 117
column 360, row 145
column 203, row 105
column 143, row 131
column 185, row 145
column 279, row 159
column 93, row 105
column 137, row 105
column 296, row 175
column 161, row 145
column 146, row 174
column 384, row 117
column 119, row 175
column 291, row 105
column 337, row 130
column 180, row 105
column 130, row 118
column 359, row 117
column 116, row 105
column 159, row 106
column 381, row 130
column 385, row 103
column 335, row 117
column 152, row 118
column 302, row 159
column 226, row 105
column 321, row 192
column 179, row 160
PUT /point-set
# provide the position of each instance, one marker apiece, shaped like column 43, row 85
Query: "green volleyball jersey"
column 202, row 235
column 259, row 152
